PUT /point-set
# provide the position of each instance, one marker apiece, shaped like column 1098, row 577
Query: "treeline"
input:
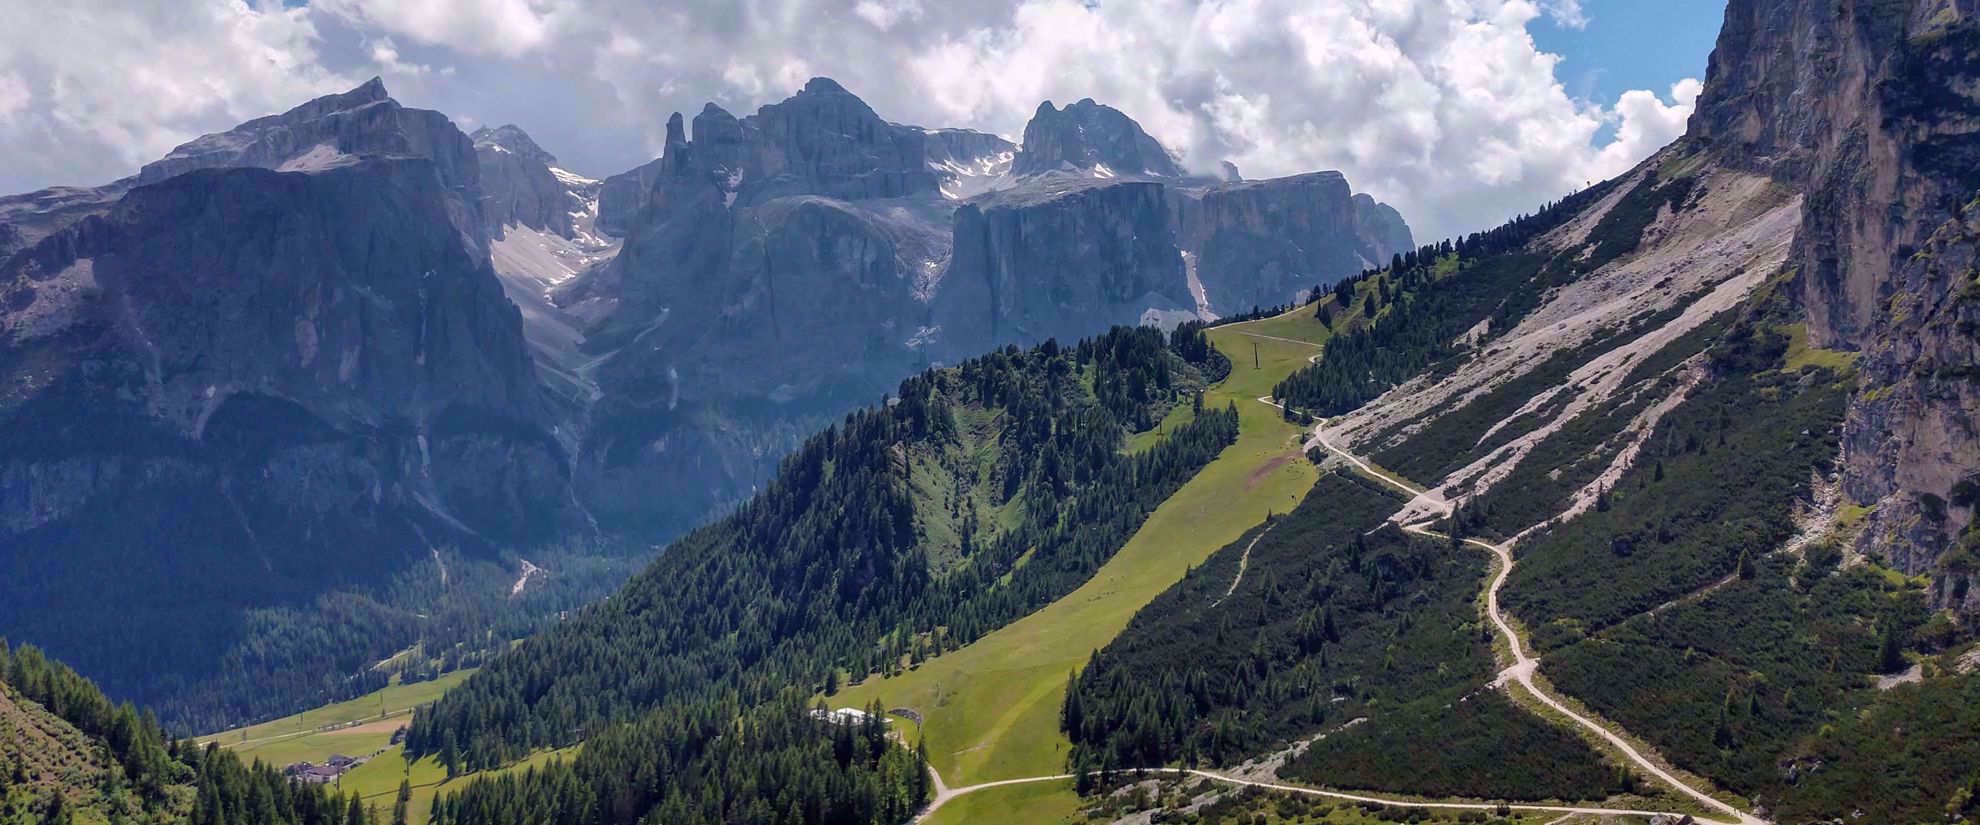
column 145, row 776
column 1484, row 275
column 777, row 765
column 825, row 570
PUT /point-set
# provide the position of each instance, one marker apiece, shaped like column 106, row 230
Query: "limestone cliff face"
column 1263, row 243
column 1062, row 260
column 623, row 195
column 825, row 141
column 235, row 373
column 1381, row 226
column 328, row 131
column 775, row 273
column 517, row 184
column 1871, row 109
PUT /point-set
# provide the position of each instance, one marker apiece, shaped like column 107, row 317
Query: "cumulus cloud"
column 1643, row 125
column 103, row 86
column 385, row 54
column 504, row 27
column 1445, row 108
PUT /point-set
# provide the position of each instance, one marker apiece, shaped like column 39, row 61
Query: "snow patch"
column 569, row 178
column 967, row 179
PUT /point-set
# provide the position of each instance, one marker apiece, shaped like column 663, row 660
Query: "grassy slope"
column 378, row 780
column 300, row 737
column 992, row 708
column 1800, row 354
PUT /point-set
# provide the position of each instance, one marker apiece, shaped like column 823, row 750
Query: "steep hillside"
column 1702, row 410
column 69, row 755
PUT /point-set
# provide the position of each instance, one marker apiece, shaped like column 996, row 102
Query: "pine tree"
column 399, row 804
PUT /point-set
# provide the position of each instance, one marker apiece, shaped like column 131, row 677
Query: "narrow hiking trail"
column 1243, row 562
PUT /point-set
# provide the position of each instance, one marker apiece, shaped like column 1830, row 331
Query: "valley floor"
column 363, row 728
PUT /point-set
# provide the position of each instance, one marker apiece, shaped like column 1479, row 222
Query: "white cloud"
column 883, row 14
column 504, row 27
column 1643, row 125
column 385, row 54
column 1565, row 12
column 110, row 85
column 14, row 95
column 1445, row 108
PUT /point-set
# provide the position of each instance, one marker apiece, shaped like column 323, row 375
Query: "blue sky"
column 1632, row 44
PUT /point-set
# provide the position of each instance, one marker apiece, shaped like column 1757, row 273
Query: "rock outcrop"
column 1264, row 243
column 1087, row 136
column 623, row 195
column 1381, row 226
column 279, row 363
column 518, row 185
column 1870, row 109
column 1062, row 259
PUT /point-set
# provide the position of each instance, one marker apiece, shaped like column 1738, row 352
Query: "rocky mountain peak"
column 338, row 130
column 676, row 133
column 511, row 138
column 1090, row 137
column 824, row 86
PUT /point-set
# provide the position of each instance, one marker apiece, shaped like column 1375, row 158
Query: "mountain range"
column 1039, row 481
column 321, row 351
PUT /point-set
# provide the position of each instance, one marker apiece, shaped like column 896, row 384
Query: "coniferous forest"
column 833, row 568
column 1221, row 668
column 781, row 764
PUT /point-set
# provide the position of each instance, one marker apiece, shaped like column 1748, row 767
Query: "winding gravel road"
column 1525, row 666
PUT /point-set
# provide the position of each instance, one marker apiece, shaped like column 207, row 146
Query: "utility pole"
column 1254, row 355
